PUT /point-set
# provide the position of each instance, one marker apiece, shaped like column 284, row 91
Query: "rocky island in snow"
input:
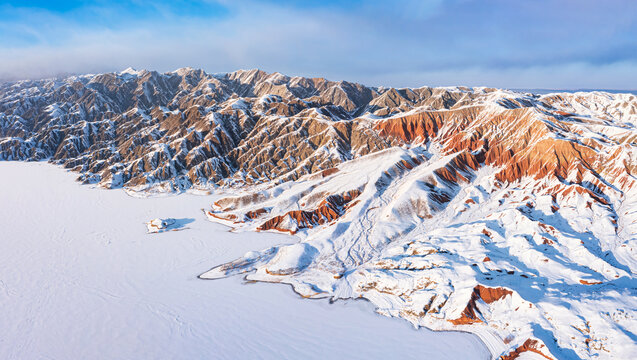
column 167, row 224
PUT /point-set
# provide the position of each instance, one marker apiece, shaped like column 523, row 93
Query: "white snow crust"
column 80, row 279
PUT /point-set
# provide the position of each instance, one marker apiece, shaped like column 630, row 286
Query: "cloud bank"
column 530, row 44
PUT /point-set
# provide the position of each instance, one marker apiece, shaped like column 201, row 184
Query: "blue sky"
column 564, row 44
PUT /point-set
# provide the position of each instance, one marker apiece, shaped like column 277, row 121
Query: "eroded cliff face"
column 510, row 215
column 186, row 128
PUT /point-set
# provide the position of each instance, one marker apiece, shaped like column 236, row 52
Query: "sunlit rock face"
column 510, row 215
column 186, row 128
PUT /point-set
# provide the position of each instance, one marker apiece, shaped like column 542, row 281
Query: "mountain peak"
column 455, row 208
column 130, row 71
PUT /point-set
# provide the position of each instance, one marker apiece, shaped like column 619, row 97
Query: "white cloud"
column 363, row 46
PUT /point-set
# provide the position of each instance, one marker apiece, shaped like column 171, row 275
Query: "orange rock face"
column 517, row 141
column 226, row 217
column 457, row 169
column 255, row 213
column 330, row 209
column 470, row 315
column 586, row 282
column 529, row 345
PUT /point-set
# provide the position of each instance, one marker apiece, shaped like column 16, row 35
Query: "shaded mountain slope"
column 510, row 215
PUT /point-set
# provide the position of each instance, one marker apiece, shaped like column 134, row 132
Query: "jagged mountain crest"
column 454, row 208
column 116, row 106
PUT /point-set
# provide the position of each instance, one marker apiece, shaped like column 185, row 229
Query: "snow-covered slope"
column 81, row 279
column 510, row 215
column 516, row 223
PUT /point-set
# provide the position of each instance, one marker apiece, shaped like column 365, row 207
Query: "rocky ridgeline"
column 510, row 215
column 189, row 128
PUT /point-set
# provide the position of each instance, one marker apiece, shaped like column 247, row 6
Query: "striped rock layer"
column 509, row 215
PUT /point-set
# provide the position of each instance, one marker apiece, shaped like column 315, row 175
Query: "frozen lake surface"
column 81, row 279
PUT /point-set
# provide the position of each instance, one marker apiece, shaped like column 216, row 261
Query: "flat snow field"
column 81, row 279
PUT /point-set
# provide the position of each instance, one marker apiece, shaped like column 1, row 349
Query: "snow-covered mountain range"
column 506, row 214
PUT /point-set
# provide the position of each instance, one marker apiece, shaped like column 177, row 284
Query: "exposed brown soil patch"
column 328, row 172
column 586, row 282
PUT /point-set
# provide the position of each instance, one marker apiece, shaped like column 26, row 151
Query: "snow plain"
column 81, row 279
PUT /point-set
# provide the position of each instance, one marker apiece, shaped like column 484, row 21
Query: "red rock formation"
column 470, row 314
column 517, row 141
column 459, row 166
column 422, row 126
column 253, row 214
column 529, row 345
column 330, row 209
column 226, row 217
column 586, row 282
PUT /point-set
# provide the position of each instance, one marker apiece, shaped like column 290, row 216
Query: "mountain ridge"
column 113, row 93
column 507, row 214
